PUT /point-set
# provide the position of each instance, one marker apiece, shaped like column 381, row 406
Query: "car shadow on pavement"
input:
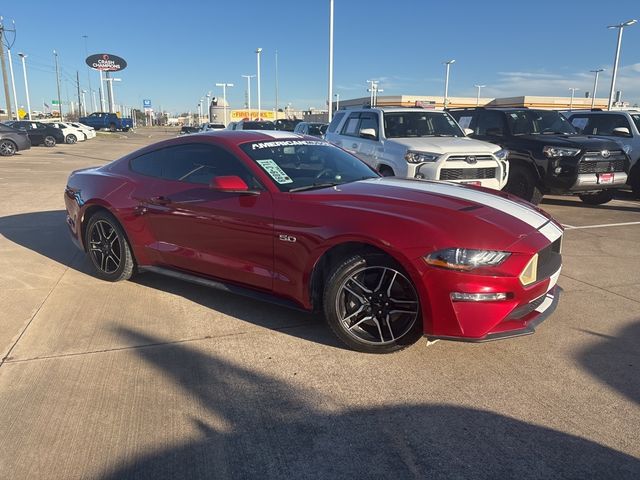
column 46, row 233
column 615, row 360
column 572, row 203
column 274, row 429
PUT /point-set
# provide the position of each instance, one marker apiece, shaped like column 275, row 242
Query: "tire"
column 371, row 305
column 108, row 248
column 598, row 198
column 71, row 139
column 634, row 180
column 386, row 171
column 49, row 141
column 7, row 148
column 523, row 183
column 125, row 129
column 112, row 127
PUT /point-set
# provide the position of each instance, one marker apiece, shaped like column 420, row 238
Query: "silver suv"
column 418, row 143
column 620, row 125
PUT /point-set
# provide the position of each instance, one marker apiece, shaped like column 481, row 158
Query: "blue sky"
column 178, row 51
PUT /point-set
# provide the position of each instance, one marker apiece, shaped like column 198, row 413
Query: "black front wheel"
column 7, row 148
column 598, row 198
column 71, row 139
column 108, row 248
column 49, row 141
column 371, row 305
column 523, row 183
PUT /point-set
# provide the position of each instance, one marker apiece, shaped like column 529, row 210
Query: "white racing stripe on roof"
column 279, row 134
column 522, row 212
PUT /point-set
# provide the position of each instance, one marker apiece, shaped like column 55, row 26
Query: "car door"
column 369, row 148
column 349, row 134
column 219, row 234
column 36, row 134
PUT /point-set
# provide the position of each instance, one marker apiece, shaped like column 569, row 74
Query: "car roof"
column 601, row 112
column 243, row 136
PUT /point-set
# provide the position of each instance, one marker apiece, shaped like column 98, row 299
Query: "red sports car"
column 294, row 219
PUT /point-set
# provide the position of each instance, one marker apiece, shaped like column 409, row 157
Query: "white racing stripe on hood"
column 551, row 231
column 522, row 212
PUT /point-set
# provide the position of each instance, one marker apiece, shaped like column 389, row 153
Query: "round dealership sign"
column 106, row 62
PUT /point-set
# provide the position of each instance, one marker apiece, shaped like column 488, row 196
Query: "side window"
column 335, row 121
column 351, row 125
column 368, row 120
column 580, row 123
column 149, row 164
column 490, row 123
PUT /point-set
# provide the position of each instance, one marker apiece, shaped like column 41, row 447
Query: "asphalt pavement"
column 155, row 378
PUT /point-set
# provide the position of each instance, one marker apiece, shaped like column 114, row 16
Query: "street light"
column 258, row 50
column 573, row 91
column 373, row 92
column 620, row 28
column 224, row 98
column 84, row 103
column 248, row 77
column 446, row 83
column 595, row 86
column 330, row 95
column 13, row 82
column 209, row 107
column 26, row 84
column 478, row 95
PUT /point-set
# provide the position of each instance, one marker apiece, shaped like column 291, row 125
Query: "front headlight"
column 552, row 152
column 420, row 157
column 466, row 259
column 502, row 154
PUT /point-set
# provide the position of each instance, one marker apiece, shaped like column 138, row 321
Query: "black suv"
column 547, row 155
column 39, row 133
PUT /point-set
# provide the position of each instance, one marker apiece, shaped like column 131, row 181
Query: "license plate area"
column 604, row 178
column 474, row 182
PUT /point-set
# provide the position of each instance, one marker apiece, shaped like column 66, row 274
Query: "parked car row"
column 20, row 135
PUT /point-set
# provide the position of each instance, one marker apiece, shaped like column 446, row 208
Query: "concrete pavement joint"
column 7, row 360
column 603, row 225
column 601, row 288
column 4, row 359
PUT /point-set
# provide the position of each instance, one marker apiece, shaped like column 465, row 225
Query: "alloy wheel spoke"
column 103, row 262
column 375, row 320
column 387, row 319
column 346, row 319
column 363, row 319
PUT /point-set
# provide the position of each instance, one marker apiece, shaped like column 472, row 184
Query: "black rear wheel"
column 112, row 127
column 598, row 198
column 371, row 305
column 523, row 183
column 7, row 148
column 49, row 141
column 71, row 139
column 108, row 248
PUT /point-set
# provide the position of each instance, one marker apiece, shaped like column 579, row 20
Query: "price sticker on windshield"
column 274, row 171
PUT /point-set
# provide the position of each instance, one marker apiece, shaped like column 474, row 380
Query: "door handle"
column 159, row 200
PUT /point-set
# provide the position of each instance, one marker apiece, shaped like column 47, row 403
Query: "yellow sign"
column 21, row 113
column 237, row 115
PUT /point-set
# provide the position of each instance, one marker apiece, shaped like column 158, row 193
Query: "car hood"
column 583, row 142
column 445, row 144
column 436, row 214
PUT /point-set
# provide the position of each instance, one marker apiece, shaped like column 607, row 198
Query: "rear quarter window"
column 337, row 118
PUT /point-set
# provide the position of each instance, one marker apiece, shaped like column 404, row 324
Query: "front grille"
column 601, row 166
column 463, row 158
column 549, row 260
column 467, row 173
column 613, row 155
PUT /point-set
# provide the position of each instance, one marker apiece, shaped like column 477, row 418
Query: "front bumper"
column 487, row 171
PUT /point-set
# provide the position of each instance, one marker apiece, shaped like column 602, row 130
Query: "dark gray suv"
column 12, row 140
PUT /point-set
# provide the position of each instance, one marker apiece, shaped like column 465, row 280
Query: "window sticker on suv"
column 274, row 171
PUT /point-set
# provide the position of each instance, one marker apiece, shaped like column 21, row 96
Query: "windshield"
column 528, row 122
column 258, row 126
column 636, row 120
column 296, row 165
column 420, row 124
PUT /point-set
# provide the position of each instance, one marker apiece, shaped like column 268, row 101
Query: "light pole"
column 258, row 51
column 248, row 77
column 86, row 52
column 595, row 86
column 337, row 95
column 573, row 91
column 620, row 28
column 55, row 56
column 93, row 94
column 446, row 83
column 478, row 95
column 84, row 102
column 276, row 115
column 26, row 84
column 13, row 81
column 224, row 98
column 330, row 95
column 372, row 88
column 209, row 107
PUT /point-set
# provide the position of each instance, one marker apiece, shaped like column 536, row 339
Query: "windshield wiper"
column 315, row 186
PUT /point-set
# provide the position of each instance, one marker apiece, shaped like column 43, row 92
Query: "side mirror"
column 368, row 133
column 468, row 131
column 621, row 132
column 231, row 184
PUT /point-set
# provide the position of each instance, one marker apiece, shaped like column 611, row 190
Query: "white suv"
column 418, row 143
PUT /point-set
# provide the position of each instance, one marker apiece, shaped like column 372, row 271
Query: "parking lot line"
column 603, row 225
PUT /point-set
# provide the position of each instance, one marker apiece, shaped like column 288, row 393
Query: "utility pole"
column 55, row 56
column 330, row 93
column 595, row 86
column 86, row 52
column 79, row 100
column 5, row 80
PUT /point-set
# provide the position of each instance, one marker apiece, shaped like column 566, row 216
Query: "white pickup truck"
column 418, row 143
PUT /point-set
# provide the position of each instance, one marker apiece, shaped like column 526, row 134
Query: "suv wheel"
column 49, row 141
column 598, row 198
column 522, row 183
column 386, row 171
column 371, row 305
